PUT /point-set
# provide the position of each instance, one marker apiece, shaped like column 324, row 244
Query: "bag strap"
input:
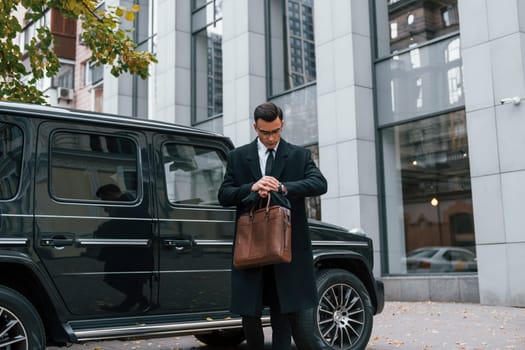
column 268, row 200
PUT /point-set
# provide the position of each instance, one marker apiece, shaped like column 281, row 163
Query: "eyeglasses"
column 270, row 132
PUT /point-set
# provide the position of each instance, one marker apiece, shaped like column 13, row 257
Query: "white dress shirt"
column 263, row 156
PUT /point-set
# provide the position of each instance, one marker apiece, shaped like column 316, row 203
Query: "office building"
column 412, row 108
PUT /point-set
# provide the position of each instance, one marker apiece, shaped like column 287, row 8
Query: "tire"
column 20, row 324
column 344, row 315
column 226, row 337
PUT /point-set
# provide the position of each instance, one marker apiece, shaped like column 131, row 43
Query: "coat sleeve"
column 313, row 183
column 231, row 193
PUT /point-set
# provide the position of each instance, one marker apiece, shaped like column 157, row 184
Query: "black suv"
column 110, row 227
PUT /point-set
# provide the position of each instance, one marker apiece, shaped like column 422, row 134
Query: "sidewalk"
column 401, row 325
column 429, row 325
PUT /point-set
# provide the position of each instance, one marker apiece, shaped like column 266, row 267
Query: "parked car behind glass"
column 441, row 259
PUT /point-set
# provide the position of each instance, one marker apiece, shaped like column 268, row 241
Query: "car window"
column 448, row 255
column 11, row 143
column 422, row 253
column 459, row 255
column 192, row 174
column 87, row 166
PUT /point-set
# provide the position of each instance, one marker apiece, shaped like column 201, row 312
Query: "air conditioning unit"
column 65, row 94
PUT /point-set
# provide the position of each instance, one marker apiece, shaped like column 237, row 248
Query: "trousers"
column 283, row 325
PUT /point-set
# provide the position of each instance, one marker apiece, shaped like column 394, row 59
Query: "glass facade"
column 291, row 75
column 419, row 82
column 207, row 60
column 427, row 200
column 145, row 35
column 403, row 24
column 292, row 49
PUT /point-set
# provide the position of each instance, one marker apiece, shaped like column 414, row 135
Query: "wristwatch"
column 280, row 188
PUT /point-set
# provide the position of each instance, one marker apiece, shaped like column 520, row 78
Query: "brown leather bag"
column 264, row 237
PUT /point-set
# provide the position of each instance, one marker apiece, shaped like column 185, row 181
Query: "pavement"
column 401, row 325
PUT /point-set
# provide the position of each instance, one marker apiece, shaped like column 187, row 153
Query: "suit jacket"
column 295, row 282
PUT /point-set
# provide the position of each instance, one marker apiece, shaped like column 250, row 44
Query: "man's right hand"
column 265, row 185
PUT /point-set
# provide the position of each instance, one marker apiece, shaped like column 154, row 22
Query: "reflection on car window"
column 192, row 174
column 90, row 161
column 11, row 143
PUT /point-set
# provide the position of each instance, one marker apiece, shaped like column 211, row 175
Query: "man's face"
column 269, row 132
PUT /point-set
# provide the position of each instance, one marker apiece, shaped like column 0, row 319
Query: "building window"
column 428, row 201
column 65, row 76
column 313, row 204
column 207, row 60
column 93, row 74
column 404, row 24
column 145, row 36
column 393, row 30
column 420, row 82
column 30, row 30
column 292, row 45
column 449, row 15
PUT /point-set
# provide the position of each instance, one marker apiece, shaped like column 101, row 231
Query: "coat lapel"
column 252, row 159
column 281, row 158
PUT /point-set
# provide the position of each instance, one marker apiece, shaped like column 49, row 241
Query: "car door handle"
column 179, row 244
column 57, row 242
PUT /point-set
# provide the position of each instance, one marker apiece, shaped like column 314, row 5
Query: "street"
column 401, row 325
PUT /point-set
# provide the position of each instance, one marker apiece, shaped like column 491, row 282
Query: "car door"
column 93, row 218
column 196, row 233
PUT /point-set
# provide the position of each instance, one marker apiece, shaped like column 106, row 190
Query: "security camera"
column 515, row 100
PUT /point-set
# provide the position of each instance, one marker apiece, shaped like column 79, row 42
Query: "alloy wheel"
column 13, row 335
column 341, row 316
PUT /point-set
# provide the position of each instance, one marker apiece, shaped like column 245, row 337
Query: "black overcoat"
column 295, row 282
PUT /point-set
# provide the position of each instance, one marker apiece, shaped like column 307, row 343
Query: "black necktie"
column 269, row 162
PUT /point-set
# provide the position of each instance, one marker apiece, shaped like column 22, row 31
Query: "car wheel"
column 226, row 337
column 344, row 315
column 20, row 325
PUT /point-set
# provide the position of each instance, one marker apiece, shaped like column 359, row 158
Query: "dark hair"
column 108, row 191
column 267, row 111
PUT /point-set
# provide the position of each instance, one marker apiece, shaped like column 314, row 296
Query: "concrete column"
column 346, row 119
column 118, row 92
column 244, row 67
column 493, row 52
column 172, row 85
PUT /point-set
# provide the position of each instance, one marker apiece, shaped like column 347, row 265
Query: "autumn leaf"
column 130, row 16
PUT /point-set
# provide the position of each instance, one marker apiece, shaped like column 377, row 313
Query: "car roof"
column 59, row 113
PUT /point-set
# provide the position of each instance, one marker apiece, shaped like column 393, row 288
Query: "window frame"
column 195, row 31
column 269, row 56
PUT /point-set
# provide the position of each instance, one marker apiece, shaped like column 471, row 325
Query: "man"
column 289, row 289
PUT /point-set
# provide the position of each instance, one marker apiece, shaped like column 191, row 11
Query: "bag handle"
column 260, row 200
